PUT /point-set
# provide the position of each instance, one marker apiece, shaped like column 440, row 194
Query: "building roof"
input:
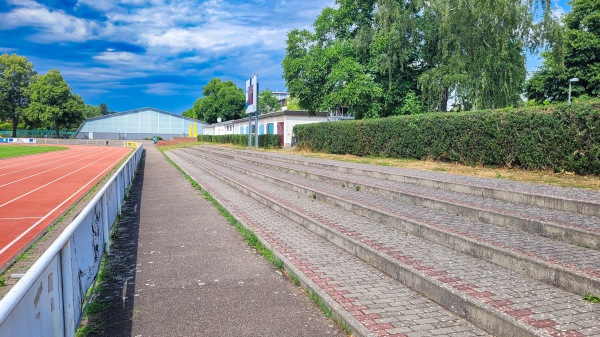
column 144, row 109
column 272, row 114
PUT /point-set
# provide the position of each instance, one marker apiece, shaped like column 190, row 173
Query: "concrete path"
column 178, row 268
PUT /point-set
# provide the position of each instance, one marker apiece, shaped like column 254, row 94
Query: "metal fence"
column 50, row 299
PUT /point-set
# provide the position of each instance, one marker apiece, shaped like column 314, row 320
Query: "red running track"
column 36, row 189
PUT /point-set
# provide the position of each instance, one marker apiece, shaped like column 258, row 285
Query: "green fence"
column 36, row 134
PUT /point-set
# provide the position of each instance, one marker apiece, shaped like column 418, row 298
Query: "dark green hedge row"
column 562, row 138
column 264, row 141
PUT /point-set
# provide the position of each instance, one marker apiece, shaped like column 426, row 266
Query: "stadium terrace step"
column 565, row 226
column 502, row 302
column 570, row 200
column 571, row 268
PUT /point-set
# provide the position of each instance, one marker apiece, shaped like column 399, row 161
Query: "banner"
column 17, row 140
column 252, row 94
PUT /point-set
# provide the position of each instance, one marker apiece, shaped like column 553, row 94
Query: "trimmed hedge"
column 563, row 137
column 264, row 141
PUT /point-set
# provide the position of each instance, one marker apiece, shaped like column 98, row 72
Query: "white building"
column 281, row 123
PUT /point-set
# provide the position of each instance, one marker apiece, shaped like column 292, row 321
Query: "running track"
column 35, row 190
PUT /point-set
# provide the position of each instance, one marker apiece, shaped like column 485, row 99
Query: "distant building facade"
column 138, row 124
column 280, row 123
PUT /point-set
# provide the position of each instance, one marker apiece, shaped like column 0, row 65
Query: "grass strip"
column 10, row 151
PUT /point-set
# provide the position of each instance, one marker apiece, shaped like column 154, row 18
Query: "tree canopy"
column 221, row 99
column 376, row 57
column 53, row 102
column 581, row 57
column 267, row 102
column 16, row 74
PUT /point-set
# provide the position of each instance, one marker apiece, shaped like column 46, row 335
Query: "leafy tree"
column 104, row 109
column 53, row 102
column 16, row 74
column 221, row 99
column 480, row 49
column 267, row 102
column 581, row 57
column 91, row 111
column 291, row 103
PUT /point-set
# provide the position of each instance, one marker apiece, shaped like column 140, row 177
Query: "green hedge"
column 562, row 138
column 264, row 141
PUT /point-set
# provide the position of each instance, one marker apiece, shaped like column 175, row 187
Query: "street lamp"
column 574, row 79
column 120, row 129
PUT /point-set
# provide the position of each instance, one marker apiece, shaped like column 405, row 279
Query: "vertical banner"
column 252, row 94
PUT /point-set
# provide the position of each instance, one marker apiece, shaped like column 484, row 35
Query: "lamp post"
column 574, row 79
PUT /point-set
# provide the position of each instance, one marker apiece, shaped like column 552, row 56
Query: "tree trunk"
column 15, row 123
column 57, row 128
column 444, row 100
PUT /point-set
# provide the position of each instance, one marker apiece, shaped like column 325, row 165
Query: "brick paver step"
column 572, row 200
column 372, row 303
column 491, row 297
column 574, row 228
column 559, row 264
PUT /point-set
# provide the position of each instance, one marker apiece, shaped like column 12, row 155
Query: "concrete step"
column 574, row 228
column 571, row 268
column 565, row 199
column 502, row 302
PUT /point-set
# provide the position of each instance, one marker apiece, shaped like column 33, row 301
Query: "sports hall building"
column 139, row 124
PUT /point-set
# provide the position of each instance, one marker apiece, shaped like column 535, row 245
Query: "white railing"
column 49, row 300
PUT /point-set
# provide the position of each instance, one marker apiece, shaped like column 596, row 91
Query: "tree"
column 267, row 102
column 91, row 111
column 16, row 74
column 104, row 109
column 221, row 99
column 581, row 57
column 479, row 51
column 53, row 102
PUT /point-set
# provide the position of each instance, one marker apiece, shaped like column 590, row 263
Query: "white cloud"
column 165, row 89
column 53, row 25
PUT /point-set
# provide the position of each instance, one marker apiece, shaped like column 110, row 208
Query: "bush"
column 562, row 137
column 264, row 141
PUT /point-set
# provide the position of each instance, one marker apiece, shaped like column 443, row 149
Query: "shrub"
column 264, row 141
column 561, row 137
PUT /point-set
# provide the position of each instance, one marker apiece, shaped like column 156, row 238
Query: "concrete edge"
column 338, row 313
column 554, row 275
column 567, row 205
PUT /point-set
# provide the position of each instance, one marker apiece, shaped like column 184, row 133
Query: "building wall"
column 289, row 118
column 138, row 124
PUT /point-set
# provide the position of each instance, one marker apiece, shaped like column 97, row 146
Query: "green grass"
column 9, row 151
column 2, row 281
column 591, row 298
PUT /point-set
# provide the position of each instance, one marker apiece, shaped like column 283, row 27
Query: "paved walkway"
column 179, row 269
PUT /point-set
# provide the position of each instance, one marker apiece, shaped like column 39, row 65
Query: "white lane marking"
column 57, row 207
column 52, row 169
column 53, row 181
column 58, row 158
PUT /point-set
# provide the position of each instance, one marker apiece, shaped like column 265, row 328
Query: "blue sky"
column 158, row 53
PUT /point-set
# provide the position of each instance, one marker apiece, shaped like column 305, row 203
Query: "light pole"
column 574, row 79
column 120, row 130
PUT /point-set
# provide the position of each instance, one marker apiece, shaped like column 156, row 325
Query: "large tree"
column 267, row 102
column 480, row 49
column 52, row 102
column 376, row 56
column 581, row 57
column 221, row 99
column 16, row 74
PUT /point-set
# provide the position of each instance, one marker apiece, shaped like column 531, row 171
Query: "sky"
column 131, row 54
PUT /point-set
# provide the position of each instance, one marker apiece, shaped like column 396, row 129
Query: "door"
column 280, row 129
